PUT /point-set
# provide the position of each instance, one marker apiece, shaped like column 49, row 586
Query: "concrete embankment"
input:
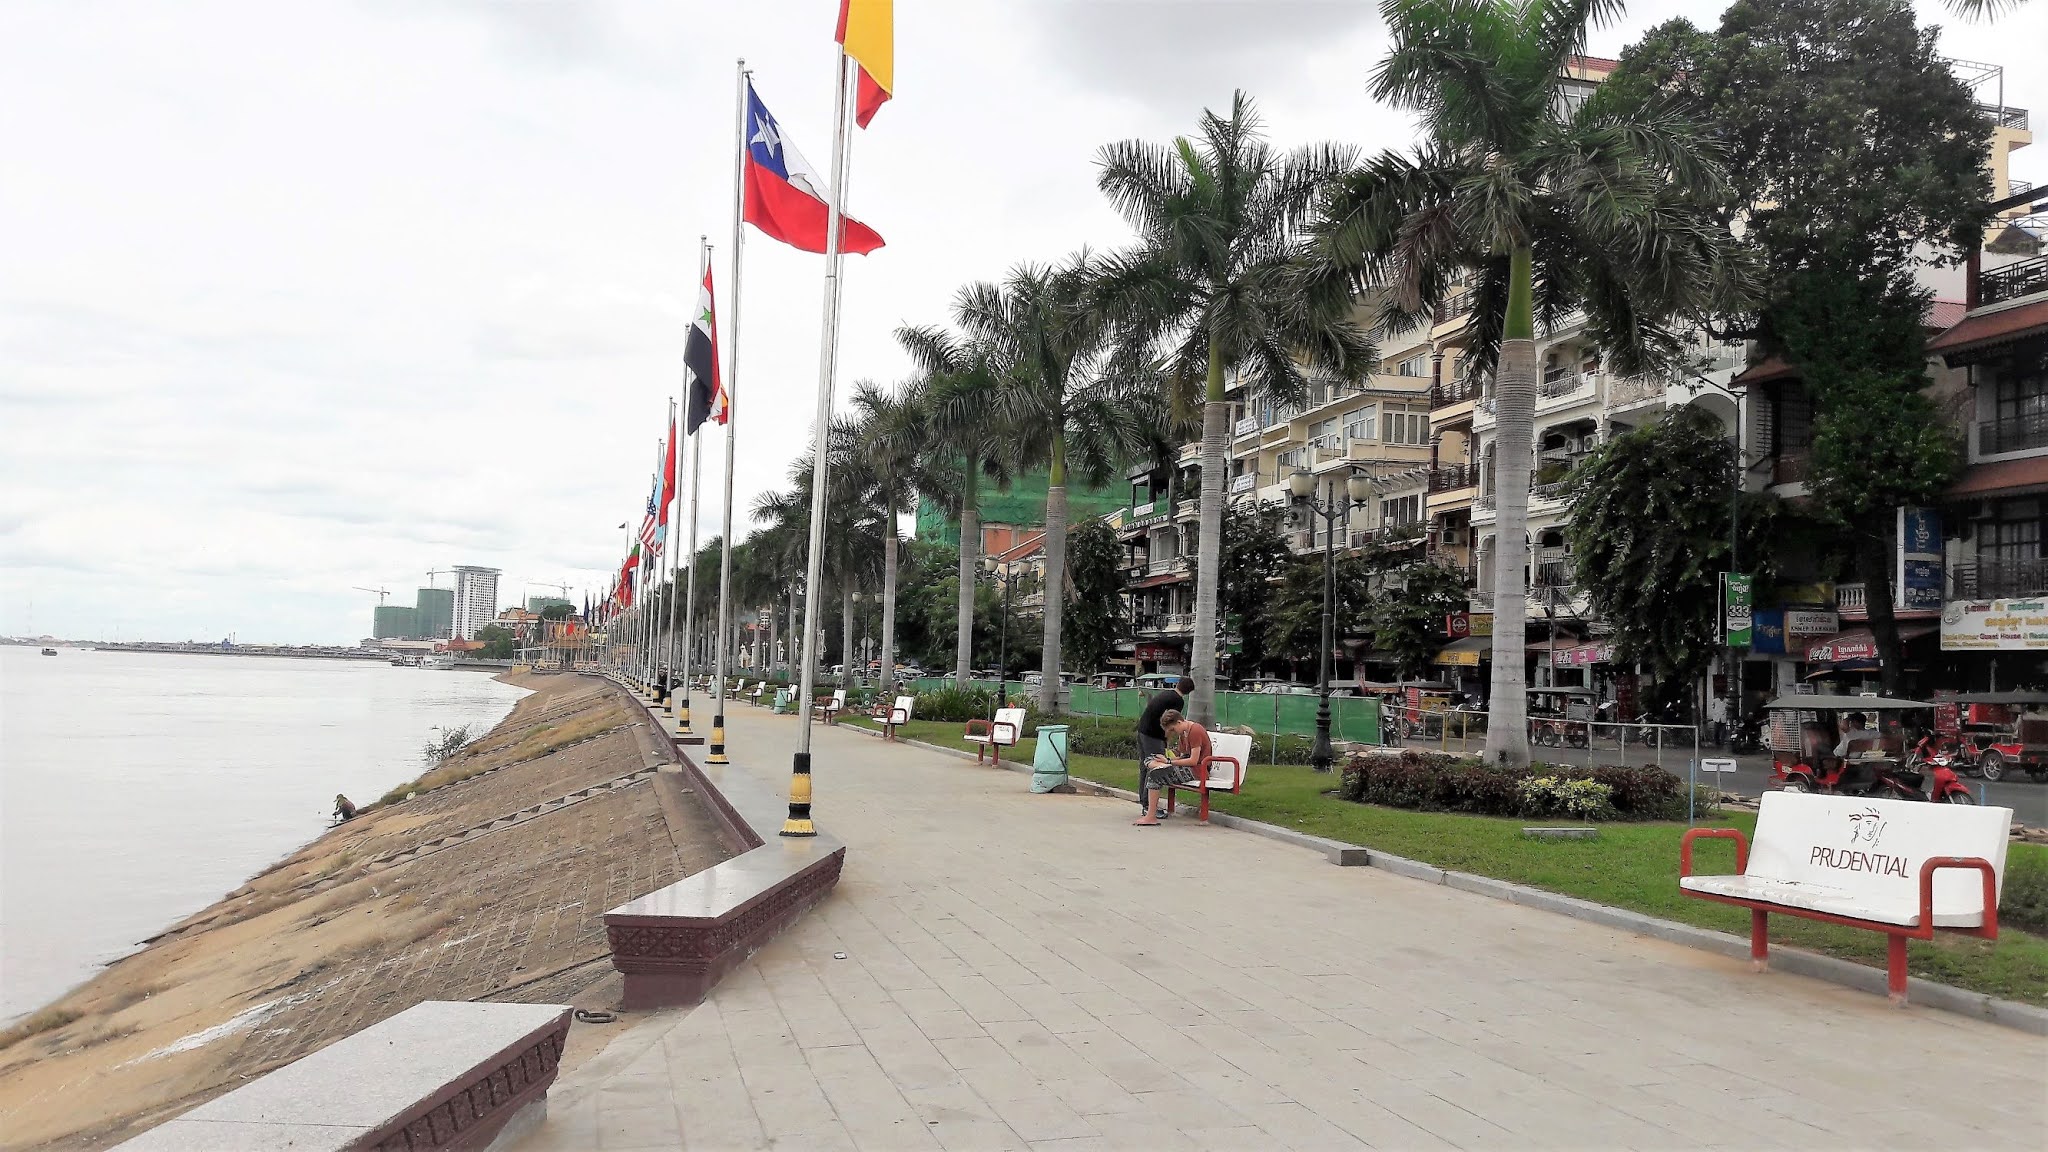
column 490, row 883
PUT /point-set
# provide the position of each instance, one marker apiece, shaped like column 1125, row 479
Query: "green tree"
column 1410, row 617
column 1095, row 618
column 891, row 434
column 499, row 642
column 557, row 612
column 1224, row 280
column 1855, row 156
column 1649, row 535
column 1253, row 548
column 1294, row 622
column 1539, row 206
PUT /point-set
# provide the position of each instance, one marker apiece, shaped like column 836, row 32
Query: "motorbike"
column 1936, row 753
column 1748, row 737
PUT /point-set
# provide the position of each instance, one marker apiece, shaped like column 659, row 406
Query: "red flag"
column 668, row 479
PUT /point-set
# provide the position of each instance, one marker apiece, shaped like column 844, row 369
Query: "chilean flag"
column 785, row 198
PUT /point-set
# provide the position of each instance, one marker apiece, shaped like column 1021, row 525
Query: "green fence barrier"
column 1352, row 718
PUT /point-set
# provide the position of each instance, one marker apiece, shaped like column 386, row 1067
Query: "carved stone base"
column 676, row 960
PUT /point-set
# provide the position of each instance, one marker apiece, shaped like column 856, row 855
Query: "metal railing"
column 1454, row 305
column 1449, row 477
column 2012, row 434
column 1996, row 578
column 1443, row 395
column 2004, row 115
column 2013, row 281
column 1583, row 742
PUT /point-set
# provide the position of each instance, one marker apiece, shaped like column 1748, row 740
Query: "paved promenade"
column 1032, row 972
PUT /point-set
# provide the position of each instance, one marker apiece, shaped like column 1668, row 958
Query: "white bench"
column 827, row 708
column 1899, row 867
column 896, row 715
column 995, row 735
column 754, row 696
column 1229, row 753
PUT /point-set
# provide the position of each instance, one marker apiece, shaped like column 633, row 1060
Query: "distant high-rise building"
column 476, row 599
column 436, row 611
column 540, row 604
column 394, row 622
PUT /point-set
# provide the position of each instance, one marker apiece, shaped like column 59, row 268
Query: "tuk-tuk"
column 1559, row 716
column 1874, row 764
column 1998, row 731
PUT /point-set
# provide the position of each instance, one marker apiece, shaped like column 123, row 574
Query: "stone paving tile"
column 1025, row 972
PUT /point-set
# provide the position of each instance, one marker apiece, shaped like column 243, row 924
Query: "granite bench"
column 674, row 944
column 440, row 1074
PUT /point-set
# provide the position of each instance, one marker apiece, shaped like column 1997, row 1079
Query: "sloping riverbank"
column 489, row 884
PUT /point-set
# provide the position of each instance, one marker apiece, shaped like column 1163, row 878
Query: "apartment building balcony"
column 1164, row 624
column 1992, row 578
column 1634, row 392
column 1241, row 483
column 1186, row 510
column 2005, row 116
column 1454, row 308
column 1449, row 393
column 1564, row 390
column 1451, row 477
column 2013, row 434
column 2023, row 278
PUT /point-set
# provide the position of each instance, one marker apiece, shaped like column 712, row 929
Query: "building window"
column 1401, row 426
column 1400, row 510
column 2010, row 531
column 1361, row 425
column 1323, row 434
column 1413, row 366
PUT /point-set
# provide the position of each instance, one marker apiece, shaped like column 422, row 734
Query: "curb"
column 1919, row 992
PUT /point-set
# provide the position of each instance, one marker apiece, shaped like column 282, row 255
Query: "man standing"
column 1151, row 733
column 1717, row 719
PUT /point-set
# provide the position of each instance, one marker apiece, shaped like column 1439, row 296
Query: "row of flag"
column 785, row 199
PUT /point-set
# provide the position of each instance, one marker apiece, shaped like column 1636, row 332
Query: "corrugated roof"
column 2002, row 476
column 1991, row 328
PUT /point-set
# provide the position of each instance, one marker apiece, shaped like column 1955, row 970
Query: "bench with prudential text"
column 1899, row 867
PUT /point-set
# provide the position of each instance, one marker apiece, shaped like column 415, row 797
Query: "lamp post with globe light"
column 1313, row 497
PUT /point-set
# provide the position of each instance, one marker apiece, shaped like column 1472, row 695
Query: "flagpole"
column 799, row 821
column 696, row 482
column 732, row 383
column 647, row 566
column 669, row 495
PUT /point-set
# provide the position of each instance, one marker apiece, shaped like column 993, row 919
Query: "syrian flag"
column 785, row 197
column 700, row 359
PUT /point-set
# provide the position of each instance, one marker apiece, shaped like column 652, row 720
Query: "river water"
column 137, row 788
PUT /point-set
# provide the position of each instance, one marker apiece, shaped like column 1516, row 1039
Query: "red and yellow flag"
column 867, row 32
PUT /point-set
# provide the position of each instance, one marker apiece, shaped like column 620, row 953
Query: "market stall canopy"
column 1998, row 698
column 1844, row 704
column 1162, row 578
column 1858, row 644
column 1464, row 653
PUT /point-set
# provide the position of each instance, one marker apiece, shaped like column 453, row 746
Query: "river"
column 137, row 788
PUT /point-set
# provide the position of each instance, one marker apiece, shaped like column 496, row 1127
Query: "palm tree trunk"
column 774, row 633
column 970, row 561
column 889, row 546
column 846, row 653
column 1209, row 555
column 1055, row 586
column 1514, row 398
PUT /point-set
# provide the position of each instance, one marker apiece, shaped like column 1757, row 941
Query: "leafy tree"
column 1094, row 599
column 557, row 612
column 1855, row 156
column 1253, row 548
column 1649, row 534
column 499, row 642
column 1409, row 619
column 1539, row 207
column 1293, row 624
column 1222, row 280
column 890, row 434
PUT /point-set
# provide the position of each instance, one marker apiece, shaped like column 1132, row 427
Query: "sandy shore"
column 464, row 892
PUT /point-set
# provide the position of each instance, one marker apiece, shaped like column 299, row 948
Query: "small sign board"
column 1717, row 766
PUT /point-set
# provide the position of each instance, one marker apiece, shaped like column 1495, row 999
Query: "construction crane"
column 433, row 572
column 381, row 592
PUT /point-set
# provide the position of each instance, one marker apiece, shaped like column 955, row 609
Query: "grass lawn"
column 1632, row 866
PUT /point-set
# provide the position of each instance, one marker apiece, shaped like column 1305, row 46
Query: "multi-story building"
column 540, row 604
column 393, row 622
column 475, row 599
column 436, row 613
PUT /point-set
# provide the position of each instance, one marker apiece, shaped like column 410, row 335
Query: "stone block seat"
column 673, row 945
column 438, row 1075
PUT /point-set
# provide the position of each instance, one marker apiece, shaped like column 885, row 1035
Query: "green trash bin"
column 782, row 700
column 1049, row 766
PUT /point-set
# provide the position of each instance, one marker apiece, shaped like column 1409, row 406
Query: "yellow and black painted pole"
column 799, row 821
column 717, row 754
column 683, row 714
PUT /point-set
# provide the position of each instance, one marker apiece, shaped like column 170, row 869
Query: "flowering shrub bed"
column 1435, row 782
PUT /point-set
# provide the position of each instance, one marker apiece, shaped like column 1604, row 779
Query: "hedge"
column 1435, row 782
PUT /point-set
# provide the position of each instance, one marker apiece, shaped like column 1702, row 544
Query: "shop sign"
column 1585, row 656
column 1157, row 652
column 1767, row 635
column 1458, row 625
column 1994, row 625
column 1482, row 623
column 1919, row 571
column 1812, row 622
column 1849, row 646
column 1735, row 608
column 1458, row 657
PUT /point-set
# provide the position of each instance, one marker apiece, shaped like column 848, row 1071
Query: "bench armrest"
column 1735, row 834
column 1933, row 864
column 1236, row 771
column 1004, row 732
column 985, row 728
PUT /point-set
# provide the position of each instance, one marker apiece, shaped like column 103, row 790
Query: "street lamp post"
column 1358, row 489
column 1003, row 639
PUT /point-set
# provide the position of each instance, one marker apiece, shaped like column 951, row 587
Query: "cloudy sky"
column 298, row 297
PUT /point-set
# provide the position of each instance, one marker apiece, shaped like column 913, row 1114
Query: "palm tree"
column 1059, row 413
column 891, row 432
column 1545, row 206
column 1223, row 281
column 959, row 382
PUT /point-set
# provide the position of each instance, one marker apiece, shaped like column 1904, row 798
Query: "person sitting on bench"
column 1193, row 742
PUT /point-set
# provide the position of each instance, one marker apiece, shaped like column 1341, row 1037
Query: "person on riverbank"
column 1192, row 751
column 1151, row 732
column 344, row 811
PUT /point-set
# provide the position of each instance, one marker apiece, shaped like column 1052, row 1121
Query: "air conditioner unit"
column 1454, row 536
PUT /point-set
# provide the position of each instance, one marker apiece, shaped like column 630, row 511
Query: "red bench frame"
column 1201, row 783
column 988, row 730
column 1897, row 934
column 825, row 708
